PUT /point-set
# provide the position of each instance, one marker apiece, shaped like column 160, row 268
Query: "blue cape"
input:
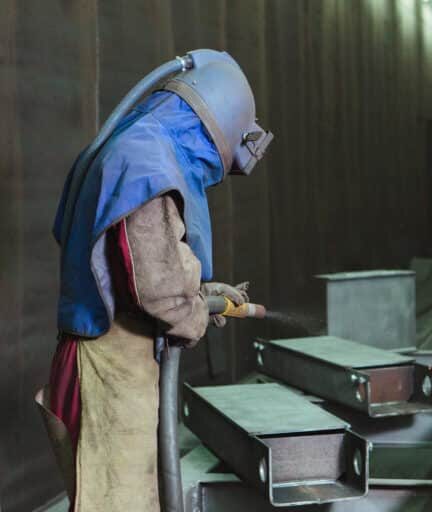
column 160, row 146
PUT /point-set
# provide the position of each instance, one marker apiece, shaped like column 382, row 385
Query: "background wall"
column 345, row 85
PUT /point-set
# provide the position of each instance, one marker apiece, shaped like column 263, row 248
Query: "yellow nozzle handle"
column 234, row 311
column 244, row 310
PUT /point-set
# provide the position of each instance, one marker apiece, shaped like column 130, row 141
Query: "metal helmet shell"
column 218, row 91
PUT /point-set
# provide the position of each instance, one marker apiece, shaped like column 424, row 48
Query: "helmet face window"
column 252, row 148
column 251, row 136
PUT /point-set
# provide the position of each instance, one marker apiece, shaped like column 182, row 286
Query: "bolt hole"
column 358, row 463
column 186, row 410
column 260, row 359
column 262, row 469
column 359, row 395
column 427, row 386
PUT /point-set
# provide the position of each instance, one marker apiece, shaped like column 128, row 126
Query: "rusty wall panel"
column 345, row 86
column 11, row 298
column 349, row 183
column 48, row 113
column 251, row 208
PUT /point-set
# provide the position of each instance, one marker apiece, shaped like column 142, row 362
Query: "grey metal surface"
column 342, row 352
column 401, row 446
column 279, row 442
column 366, row 274
column 235, row 497
column 401, row 452
column 58, row 504
column 378, row 389
column 210, row 488
column 396, row 464
column 374, row 307
column 268, row 409
column 422, row 356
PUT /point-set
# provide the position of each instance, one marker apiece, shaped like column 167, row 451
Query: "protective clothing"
column 165, row 274
column 238, row 294
column 162, row 146
column 104, row 391
column 135, row 235
column 116, row 462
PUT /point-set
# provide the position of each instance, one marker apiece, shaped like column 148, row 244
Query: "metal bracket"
column 377, row 382
column 376, row 308
column 289, row 449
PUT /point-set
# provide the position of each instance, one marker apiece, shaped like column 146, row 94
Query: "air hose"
column 169, row 453
column 132, row 97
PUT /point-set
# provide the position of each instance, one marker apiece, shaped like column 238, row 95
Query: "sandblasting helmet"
column 219, row 93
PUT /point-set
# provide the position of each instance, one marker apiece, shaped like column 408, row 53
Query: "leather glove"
column 237, row 294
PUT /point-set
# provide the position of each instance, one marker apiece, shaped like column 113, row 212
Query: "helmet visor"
column 251, row 149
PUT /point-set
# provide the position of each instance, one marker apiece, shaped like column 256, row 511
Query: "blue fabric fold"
column 160, row 146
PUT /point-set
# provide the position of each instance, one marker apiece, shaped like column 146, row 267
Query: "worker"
column 136, row 264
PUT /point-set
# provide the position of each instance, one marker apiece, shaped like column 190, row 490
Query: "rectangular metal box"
column 374, row 307
column 292, row 451
column 400, row 446
column 401, row 451
column 209, row 488
column 374, row 381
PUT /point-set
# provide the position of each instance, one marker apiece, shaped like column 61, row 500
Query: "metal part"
column 186, row 62
column 208, row 487
column 219, row 304
column 401, row 446
column 292, row 451
column 237, row 497
column 376, row 307
column 374, row 381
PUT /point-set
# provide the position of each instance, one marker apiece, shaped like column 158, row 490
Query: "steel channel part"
column 373, row 307
column 210, row 487
column 401, row 446
column 292, row 451
column 401, row 453
column 377, row 382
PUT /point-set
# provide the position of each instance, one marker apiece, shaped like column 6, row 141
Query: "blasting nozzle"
column 246, row 310
column 224, row 306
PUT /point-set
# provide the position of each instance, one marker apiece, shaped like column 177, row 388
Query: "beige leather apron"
column 116, row 466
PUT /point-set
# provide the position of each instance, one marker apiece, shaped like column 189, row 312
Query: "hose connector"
column 186, row 62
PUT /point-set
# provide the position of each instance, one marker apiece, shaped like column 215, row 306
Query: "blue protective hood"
column 161, row 146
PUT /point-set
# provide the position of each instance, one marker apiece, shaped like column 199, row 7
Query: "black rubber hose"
column 131, row 98
column 169, row 453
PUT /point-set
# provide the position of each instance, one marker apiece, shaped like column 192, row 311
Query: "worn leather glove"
column 237, row 294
